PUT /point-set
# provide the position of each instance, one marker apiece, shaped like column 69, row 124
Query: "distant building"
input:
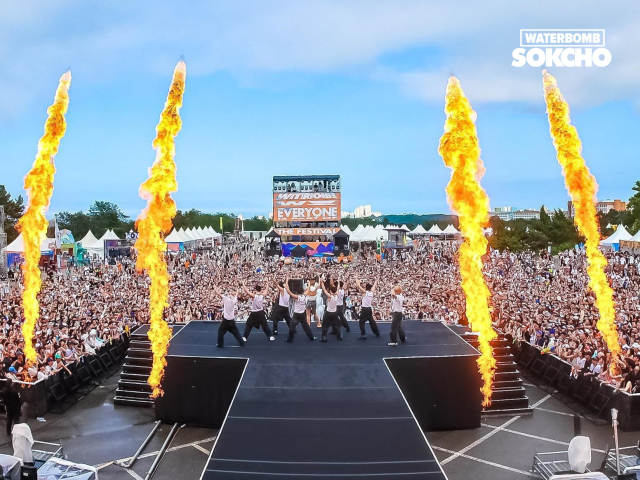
column 512, row 213
column 362, row 211
column 603, row 207
column 526, row 215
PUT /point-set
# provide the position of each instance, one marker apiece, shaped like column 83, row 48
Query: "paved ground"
column 96, row 432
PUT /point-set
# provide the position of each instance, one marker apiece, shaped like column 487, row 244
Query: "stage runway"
column 313, row 410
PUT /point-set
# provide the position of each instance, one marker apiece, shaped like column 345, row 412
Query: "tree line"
column 553, row 229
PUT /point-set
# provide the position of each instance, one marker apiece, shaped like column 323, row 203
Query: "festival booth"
column 419, row 231
column 341, row 243
column 174, row 241
column 15, row 251
column 272, row 244
column 435, row 231
column 613, row 242
column 632, row 245
column 451, row 233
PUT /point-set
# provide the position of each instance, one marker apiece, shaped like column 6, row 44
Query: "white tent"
column 346, row 230
column 405, row 228
column 381, row 233
column 435, row 230
column 188, row 235
column 369, row 234
column 109, row 235
column 88, row 240
column 17, row 246
column 358, row 230
column 419, row 230
column 174, row 237
column 636, row 237
column 451, row 230
column 620, row 234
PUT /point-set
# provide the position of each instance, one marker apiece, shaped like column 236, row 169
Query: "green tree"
column 13, row 210
column 632, row 215
column 79, row 223
column 108, row 216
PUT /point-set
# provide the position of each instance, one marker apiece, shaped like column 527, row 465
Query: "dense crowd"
column 542, row 299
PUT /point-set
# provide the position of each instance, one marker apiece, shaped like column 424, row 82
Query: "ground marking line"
column 151, row 454
column 202, row 449
column 489, row 435
column 554, row 411
column 536, row 437
column 271, row 474
column 299, row 419
column 487, row 462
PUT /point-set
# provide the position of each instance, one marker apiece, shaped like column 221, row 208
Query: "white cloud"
column 40, row 40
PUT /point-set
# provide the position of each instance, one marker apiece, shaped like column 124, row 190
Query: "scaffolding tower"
column 3, row 246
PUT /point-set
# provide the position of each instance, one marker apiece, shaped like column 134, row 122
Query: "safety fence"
column 585, row 394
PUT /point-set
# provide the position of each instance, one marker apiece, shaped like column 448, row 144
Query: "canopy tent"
column 368, row 234
column 381, row 233
column 340, row 234
column 358, row 230
column 419, row 230
column 451, row 230
column 89, row 239
column 188, row 235
column 435, row 230
column 109, row 235
column 174, row 237
column 613, row 241
column 636, row 237
column 346, row 230
column 405, row 228
column 17, row 246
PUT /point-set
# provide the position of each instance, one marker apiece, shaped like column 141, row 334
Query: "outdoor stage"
column 343, row 409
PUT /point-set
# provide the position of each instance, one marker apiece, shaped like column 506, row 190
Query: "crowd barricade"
column 60, row 391
column 585, row 394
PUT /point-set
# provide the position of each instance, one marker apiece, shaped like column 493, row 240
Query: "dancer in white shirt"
column 257, row 317
column 281, row 310
column 330, row 317
column 299, row 317
column 397, row 311
column 366, row 312
column 228, row 323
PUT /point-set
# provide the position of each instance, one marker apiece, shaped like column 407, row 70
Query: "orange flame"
column 582, row 188
column 460, row 151
column 33, row 225
column 155, row 221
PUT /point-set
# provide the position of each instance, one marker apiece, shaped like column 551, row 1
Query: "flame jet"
column 155, row 221
column 33, row 225
column 582, row 188
column 460, row 151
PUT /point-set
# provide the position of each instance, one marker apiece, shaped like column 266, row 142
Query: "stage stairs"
column 133, row 389
column 509, row 394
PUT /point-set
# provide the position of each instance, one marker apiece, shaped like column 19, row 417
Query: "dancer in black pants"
column 330, row 317
column 281, row 310
column 366, row 312
column 228, row 323
column 257, row 317
column 397, row 302
column 299, row 313
column 342, row 286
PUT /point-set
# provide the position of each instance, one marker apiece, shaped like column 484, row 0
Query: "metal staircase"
column 509, row 395
column 133, row 389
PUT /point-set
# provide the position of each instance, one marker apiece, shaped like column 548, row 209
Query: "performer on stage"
column 228, row 323
column 366, row 312
column 299, row 316
column 257, row 317
column 330, row 317
column 397, row 302
column 311, row 302
column 342, row 286
column 281, row 310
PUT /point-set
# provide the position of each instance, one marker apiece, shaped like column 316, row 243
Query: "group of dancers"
column 304, row 307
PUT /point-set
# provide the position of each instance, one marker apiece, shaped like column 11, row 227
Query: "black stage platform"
column 309, row 409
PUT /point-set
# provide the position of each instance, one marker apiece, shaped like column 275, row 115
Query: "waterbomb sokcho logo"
column 561, row 48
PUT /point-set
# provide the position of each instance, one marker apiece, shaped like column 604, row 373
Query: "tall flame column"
column 33, row 225
column 155, row 222
column 460, row 151
column 582, row 188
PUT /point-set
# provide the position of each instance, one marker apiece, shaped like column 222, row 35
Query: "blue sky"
column 309, row 87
